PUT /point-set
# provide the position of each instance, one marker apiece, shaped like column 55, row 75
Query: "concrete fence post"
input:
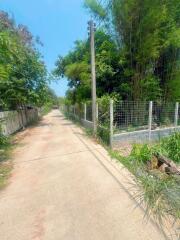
column 111, row 122
column 67, row 109
column 74, row 111
column 150, row 119
column 85, row 111
column 97, row 111
column 176, row 114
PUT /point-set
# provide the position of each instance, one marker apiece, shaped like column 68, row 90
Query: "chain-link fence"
column 126, row 117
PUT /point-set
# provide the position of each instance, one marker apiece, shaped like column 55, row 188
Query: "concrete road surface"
column 65, row 187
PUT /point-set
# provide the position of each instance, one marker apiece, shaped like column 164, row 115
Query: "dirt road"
column 65, row 187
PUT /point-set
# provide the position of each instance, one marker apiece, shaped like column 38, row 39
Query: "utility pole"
column 93, row 75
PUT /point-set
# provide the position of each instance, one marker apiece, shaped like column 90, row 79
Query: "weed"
column 5, row 166
column 126, row 161
column 141, row 153
column 159, row 192
column 103, row 134
column 171, row 146
column 4, row 141
column 5, row 169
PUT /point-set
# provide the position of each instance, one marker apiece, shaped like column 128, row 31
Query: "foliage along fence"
column 12, row 121
column 128, row 121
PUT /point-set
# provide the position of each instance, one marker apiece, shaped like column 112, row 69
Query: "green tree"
column 147, row 34
column 23, row 75
column 76, row 67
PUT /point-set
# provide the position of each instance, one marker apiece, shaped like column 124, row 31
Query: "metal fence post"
column 150, row 118
column 85, row 111
column 176, row 114
column 111, row 122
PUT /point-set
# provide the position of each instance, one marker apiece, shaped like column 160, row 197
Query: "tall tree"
column 76, row 67
column 23, row 75
column 147, row 33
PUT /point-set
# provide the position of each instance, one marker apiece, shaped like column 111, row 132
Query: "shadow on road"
column 58, row 116
column 67, row 124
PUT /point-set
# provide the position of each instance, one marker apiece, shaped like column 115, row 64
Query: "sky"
column 58, row 23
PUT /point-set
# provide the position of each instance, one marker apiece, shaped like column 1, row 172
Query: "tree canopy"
column 23, row 75
column 76, row 67
column 137, row 52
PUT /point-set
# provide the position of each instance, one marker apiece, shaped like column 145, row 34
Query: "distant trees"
column 137, row 51
column 23, row 75
column 76, row 67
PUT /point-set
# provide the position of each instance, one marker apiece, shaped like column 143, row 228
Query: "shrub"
column 158, row 191
column 103, row 134
column 141, row 153
column 171, row 146
column 3, row 139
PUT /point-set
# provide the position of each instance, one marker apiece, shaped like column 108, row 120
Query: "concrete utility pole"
column 93, row 74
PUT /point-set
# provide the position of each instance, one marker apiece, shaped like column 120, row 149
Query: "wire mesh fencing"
column 74, row 112
column 125, row 116
column 130, row 116
column 89, row 111
column 163, row 114
column 79, row 111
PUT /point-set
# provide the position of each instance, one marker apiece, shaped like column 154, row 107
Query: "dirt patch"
column 124, row 149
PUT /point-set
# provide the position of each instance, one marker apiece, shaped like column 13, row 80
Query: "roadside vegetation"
column 5, row 162
column 24, row 79
column 156, row 185
column 137, row 52
column 137, row 59
column 157, row 189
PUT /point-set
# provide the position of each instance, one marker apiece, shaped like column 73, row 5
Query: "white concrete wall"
column 87, row 124
column 12, row 121
column 142, row 136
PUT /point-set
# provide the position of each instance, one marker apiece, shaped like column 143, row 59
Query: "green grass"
column 89, row 132
column 5, row 163
column 124, row 160
column 171, row 147
column 5, row 170
column 103, row 135
column 159, row 192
